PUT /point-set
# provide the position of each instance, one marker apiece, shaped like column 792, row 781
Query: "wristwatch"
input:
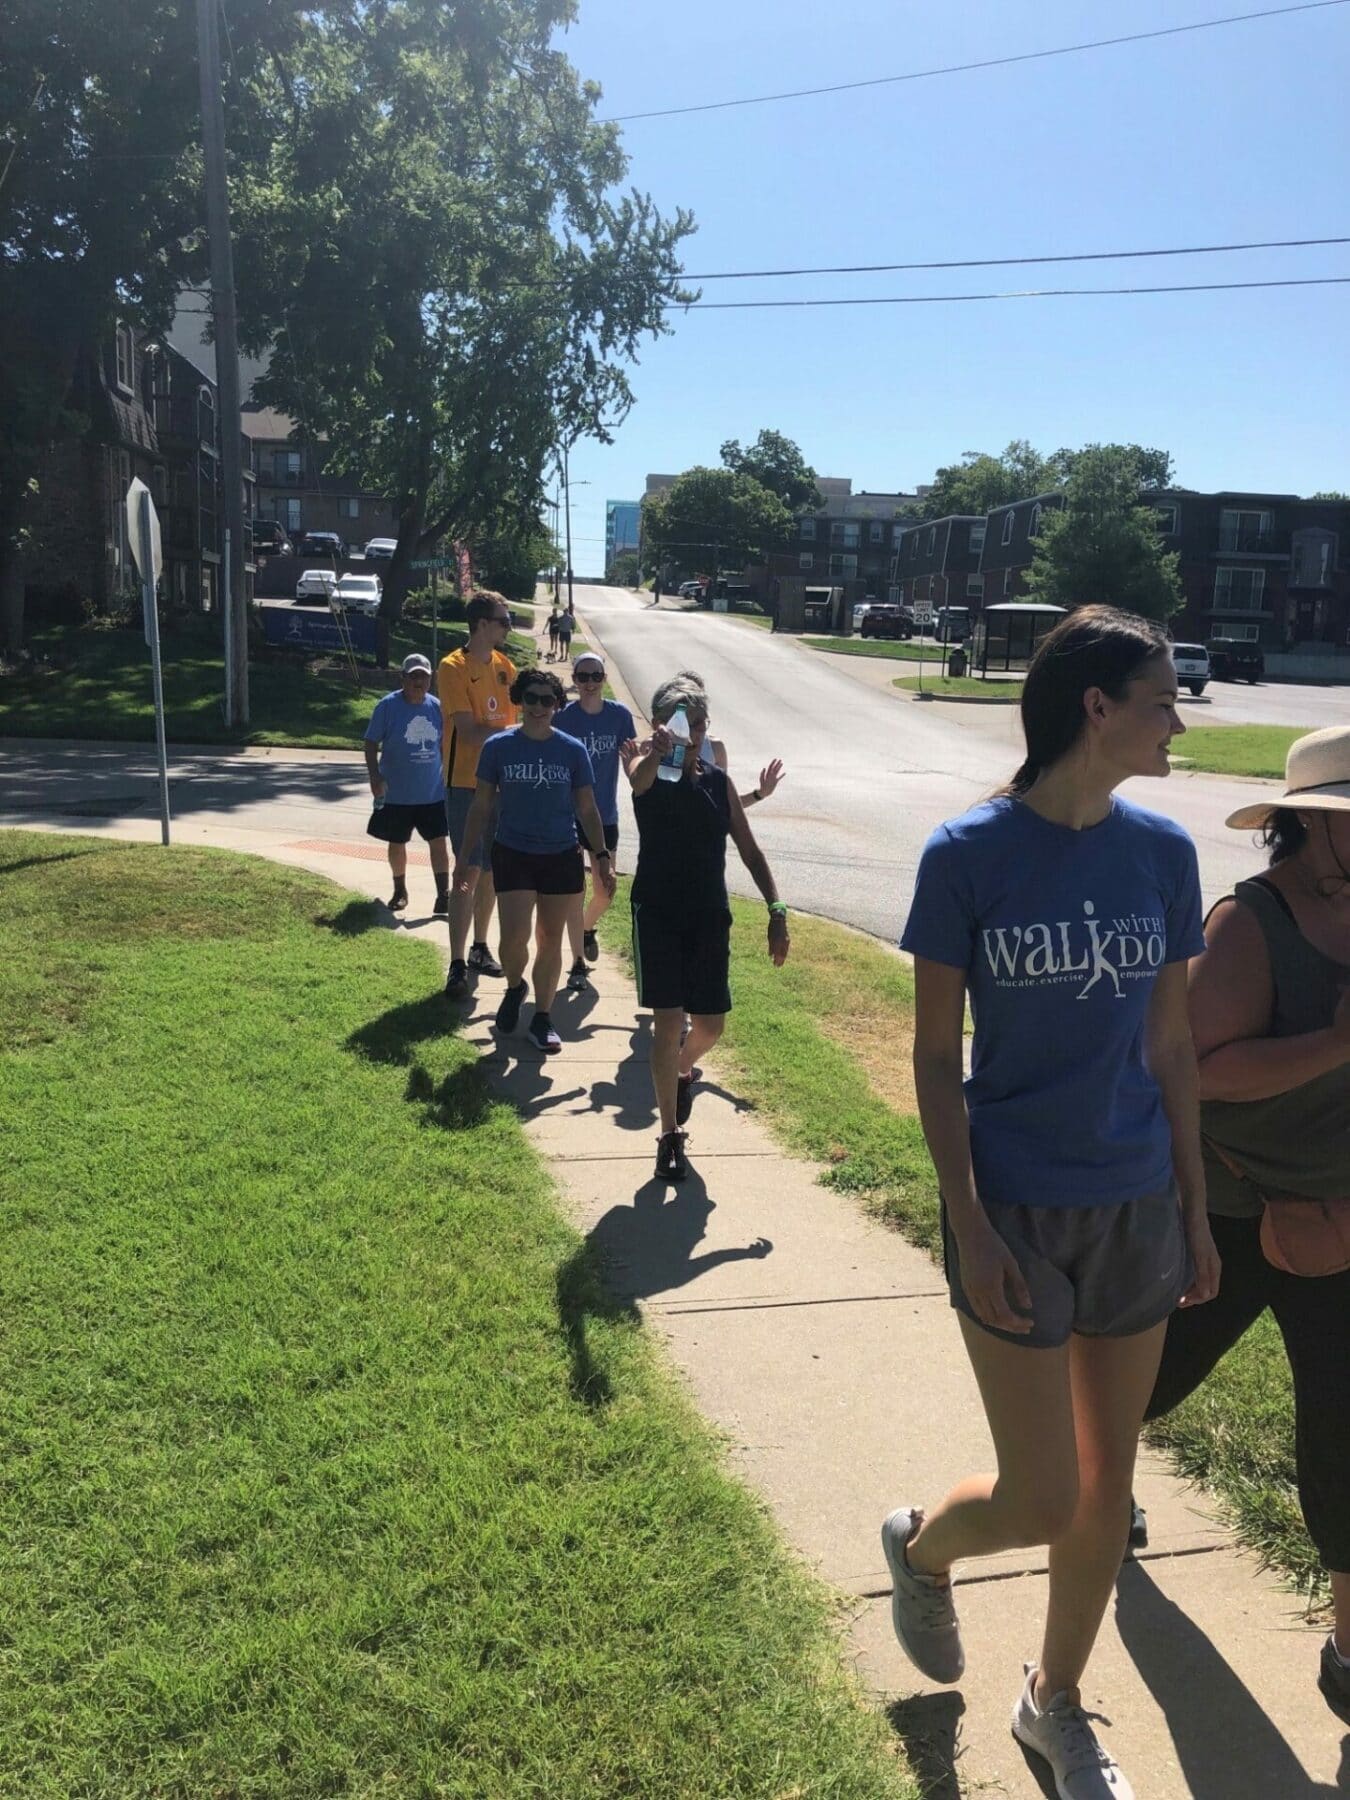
column 597, row 854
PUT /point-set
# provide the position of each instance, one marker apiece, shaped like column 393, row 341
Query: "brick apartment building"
column 296, row 489
column 151, row 414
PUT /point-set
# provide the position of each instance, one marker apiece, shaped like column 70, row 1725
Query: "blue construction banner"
column 311, row 628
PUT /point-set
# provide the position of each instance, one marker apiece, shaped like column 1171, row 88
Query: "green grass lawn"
column 961, row 687
column 1239, row 749
column 892, row 649
column 328, row 1468
column 94, row 682
column 822, row 1048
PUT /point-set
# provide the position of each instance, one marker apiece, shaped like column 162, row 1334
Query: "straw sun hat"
column 1316, row 779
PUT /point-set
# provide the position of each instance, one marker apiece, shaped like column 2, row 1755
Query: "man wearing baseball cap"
column 603, row 726
column 403, row 759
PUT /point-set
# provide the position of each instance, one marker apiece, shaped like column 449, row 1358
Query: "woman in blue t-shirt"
column 542, row 786
column 1073, row 1197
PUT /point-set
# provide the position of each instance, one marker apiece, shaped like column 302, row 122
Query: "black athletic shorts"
column 530, row 871
column 395, row 824
column 611, row 839
column 682, row 962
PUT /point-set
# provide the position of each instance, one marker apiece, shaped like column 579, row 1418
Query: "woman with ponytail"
column 1069, row 1163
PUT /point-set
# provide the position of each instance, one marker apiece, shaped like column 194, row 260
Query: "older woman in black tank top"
column 1270, row 1014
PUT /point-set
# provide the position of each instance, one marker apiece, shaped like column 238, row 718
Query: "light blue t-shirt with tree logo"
column 536, row 780
column 1061, row 934
column 410, row 748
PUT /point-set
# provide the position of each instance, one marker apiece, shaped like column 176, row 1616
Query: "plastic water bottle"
column 672, row 763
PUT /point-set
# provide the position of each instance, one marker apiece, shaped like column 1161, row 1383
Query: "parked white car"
column 1192, row 666
column 314, row 587
column 360, row 593
column 380, row 549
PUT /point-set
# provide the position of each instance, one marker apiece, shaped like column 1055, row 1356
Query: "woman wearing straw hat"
column 1269, row 1003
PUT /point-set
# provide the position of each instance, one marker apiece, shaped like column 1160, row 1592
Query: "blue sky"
column 1218, row 136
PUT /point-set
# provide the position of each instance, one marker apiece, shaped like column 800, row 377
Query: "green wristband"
column 778, row 906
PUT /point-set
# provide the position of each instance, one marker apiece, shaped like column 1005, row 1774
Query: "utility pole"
column 227, row 353
column 567, row 510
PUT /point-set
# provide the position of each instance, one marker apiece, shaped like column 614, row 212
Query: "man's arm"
column 378, row 784
column 480, row 811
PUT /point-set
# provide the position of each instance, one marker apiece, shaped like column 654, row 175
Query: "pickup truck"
column 1235, row 659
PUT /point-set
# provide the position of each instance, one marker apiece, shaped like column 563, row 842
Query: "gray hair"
column 678, row 692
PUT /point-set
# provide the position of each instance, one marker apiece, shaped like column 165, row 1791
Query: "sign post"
column 143, row 536
column 923, row 618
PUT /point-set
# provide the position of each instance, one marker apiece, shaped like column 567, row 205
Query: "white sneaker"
column 921, row 1605
column 1062, row 1735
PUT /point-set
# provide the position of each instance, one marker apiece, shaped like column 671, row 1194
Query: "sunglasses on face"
column 540, row 699
column 589, row 675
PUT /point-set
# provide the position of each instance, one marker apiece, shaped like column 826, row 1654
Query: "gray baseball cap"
column 415, row 663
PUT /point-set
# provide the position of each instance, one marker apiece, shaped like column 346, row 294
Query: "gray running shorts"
column 1102, row 1271
column 457, row 803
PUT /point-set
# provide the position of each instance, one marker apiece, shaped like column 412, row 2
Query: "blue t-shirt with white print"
column 1062, row 934
column 536, row 780
column 601, row 733
column 410, row 748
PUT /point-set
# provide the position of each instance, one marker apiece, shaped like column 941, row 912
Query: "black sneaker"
column 542, row 1035
column 457, row 981
column 684, row 1099
column 482, row 961
column 670, row 1160
column 1334, row 1681
column 591, row 944
column 577, row 981
column 399, row 903
column 1138, row 1538
column 442, row 906
column 508, row 1013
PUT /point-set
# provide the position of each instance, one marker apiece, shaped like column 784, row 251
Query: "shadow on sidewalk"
column 1228, row 1746
column 631, row 1254
column 928, row 1725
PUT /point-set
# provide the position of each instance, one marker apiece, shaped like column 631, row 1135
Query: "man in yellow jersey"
column 474, row 687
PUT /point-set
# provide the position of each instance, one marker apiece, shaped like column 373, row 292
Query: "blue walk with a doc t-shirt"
column 410, row 749
column 536, row 779
column 601, row 733
column 1062, row 934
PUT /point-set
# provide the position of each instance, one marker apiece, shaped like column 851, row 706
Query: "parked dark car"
column 269, row 538
column 320, row 543
column 1235, row 659
column 887, row 622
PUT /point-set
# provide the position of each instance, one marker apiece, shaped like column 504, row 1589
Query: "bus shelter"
column 1006, row 635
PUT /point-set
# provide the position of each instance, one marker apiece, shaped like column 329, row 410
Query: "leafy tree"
column 436, row 249
column 1104, row 545
column 1329, row 494
column 100, row 177
column 980, row 482
column 776, row 463
column 709, row 516
column 623, row 571
column 508, row 556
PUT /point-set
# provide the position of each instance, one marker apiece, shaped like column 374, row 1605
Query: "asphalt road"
column 871, row 772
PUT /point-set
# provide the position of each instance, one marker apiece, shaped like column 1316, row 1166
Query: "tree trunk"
column 398, row 577
column 12, row 505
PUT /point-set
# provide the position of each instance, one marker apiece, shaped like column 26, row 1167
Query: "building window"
column 897, row 532
column 1007, row 528
column 126, row 362
column 876, row 532
column 1034, row 523
column 286, row 467
column 845, row 532
column 1167, row 519
column 1245, row 634
column 349, row 509
column 805, row 560
column 288, row 511
column 808, row 531
column 914, row 545
column 932, row 539
column 843, row 568
column 977, row 537
column 974, row 587
column 1009, row 576
column 1239, row 590
column 1312, row 562
column 1243, row 530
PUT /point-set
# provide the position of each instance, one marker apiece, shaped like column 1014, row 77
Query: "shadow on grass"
column 1229, row 1748
column 928, row 1725
column 458, row 1103
column 393, row 1037
column 634, row 1253
column 356, row 918
column 34, row 862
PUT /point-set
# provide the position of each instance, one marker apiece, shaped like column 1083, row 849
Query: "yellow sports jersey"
column 483, row 689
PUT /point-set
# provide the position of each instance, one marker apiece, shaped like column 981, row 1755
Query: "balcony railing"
column 1234, row 540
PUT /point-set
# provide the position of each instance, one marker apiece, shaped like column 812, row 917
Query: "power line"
column 1009, row 262
column 1192, row 287
column 991, row 62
